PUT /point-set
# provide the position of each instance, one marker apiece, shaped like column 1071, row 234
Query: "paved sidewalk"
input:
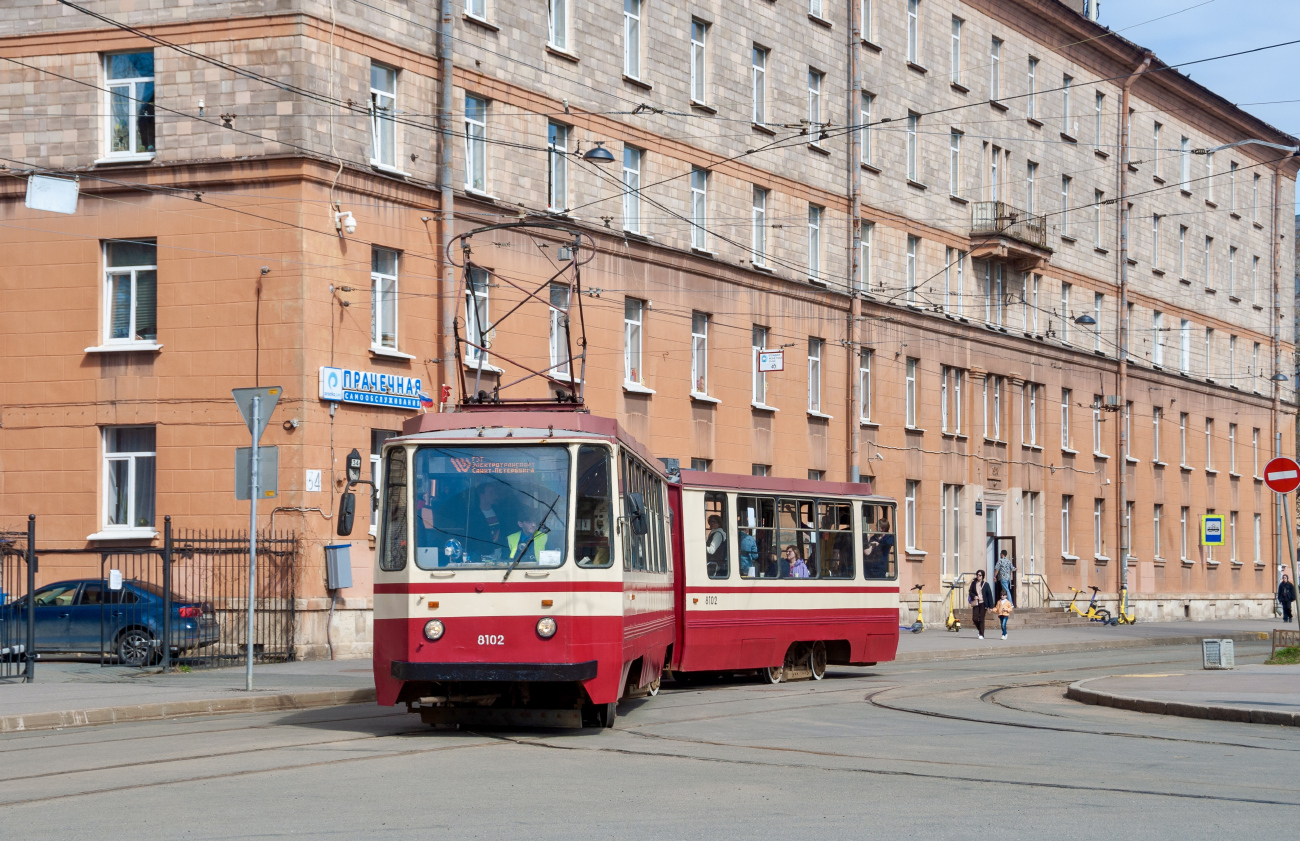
column 1256, row 693
column 73, row 693
column 936, row 643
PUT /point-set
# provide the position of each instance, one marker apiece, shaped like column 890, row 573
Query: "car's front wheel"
column 135, row 647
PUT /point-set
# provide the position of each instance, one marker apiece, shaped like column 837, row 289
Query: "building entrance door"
column 992, row 525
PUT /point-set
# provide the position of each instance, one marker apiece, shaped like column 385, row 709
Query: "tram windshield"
column 491, row 506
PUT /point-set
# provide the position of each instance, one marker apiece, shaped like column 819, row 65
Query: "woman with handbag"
column 980, row 597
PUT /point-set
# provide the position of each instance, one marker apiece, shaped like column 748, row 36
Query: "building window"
column 476, row 144
column 1232, row 270
column 912, row 122
column 1185, row 346
column 1067, row 502
column 1097, row 402
column 699, row 208
column 1182, row 252
column 383, row 107
column 1155, row 151
column 1254, row 199
column 699, row 79
column 558, row 30
column 1259, row 556
column 1232, row 361
column 993, row 407
column 814, row 106
column 1254, row 368
column 995, row 182
column 760, row 85
column 632, row 158
column 1157, row 514
column 911, row 269
column 1209, row 352
column 1066, row 83
column 953, row 280
column 866, row 128
column 815, row 8
column 1031, row 176
column 1066, row 395
column 1183, row 516
column 1157, row 415
column 130, row 292
column 954, row 163
column 1031, row 97
column 1031, row 394
column 993, row 293
column 130, row 109
column 1098, row 302
column 950, row 398
column 1232, row 188
column 1209, row 176
column 632, row 314
column 377, row 439
column 1254, row 280
column 1099, row 528
column 1128, row 430
column 632, row 38
column 995, row 70
column 814, row 242
column 1101, row 104
column 1157, row 338
column 1254, row 452
column 1209, row 444
column 758, row 345
column 864, row 19
column 383, row 306
column 1065, row 312
column 1155, row 240
column 955, row 78
column 476, row 9
column 912, row 366
column 1185, row 164
column 699, row 353
column 129, row 459
column 914, row 31
column 864, row 386
column 1065, row 205
column 760, row 470
column 759, row 249
column 864, row 262
column 1232, row 449
column 910, row 517
column 949, row 530
column 478, row 321
column 815, row 375
column 704, row 465
column 1029, row 501
column 1182, row 439
column 559, row 332
column 1098, row 198
column 557, row 170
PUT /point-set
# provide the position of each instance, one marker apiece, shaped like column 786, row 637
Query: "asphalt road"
column 931, row 751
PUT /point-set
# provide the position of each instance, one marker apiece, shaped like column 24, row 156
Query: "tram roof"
column 774, row 484
column 539, row 424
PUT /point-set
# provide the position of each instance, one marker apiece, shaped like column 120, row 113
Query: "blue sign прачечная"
column 369, row 388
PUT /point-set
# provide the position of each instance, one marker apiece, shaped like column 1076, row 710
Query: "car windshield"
column 491, row 506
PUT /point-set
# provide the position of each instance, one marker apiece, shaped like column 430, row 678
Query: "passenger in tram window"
column 715, row 549
column 878, row 552
column 835, row 540
column 748, row 554
column 798, row 567
column 756, row 522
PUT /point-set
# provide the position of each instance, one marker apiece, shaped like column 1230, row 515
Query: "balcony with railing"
column 1000, row 231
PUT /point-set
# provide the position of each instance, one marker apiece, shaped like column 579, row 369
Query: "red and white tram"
column 533, row 567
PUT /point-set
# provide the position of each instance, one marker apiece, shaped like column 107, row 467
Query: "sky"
column 1197, row 29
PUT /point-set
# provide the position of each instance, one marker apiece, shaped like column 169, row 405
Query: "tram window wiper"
column 542, row 528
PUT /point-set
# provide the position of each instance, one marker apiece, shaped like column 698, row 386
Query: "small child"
column 1003, row 610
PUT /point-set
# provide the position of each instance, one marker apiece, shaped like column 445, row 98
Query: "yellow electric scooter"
column 1126, row 616
column 1093, row 613
column 919, row 625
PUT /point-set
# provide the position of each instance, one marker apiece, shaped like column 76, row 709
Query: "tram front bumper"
column 531, row 672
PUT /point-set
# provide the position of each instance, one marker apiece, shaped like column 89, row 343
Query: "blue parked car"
column 86, row 616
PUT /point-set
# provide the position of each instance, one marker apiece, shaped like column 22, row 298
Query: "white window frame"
column 1100, row 107
column 557, row 166
column 1254, row 198
column 1157, row 417
column 557, row 24
column 758, row 220
column 995, row 69
column 913, row 244
column 1098, row 197
column 815, row 79
column 1031, row 98
column 1155, row 240
column 865, row 108
column 913, row 124
column 1156, row 156
column 759, row 83
column 1232, row 188
column 914, row 31
column 1182, row 252
column 1099, row 528
column 955, row 75
column 815, row 347
column 699, row 61
column 1157, row 338
column 1098, row 304
column 954, row 163
column 1065, row 312
column 1097, row 401
column 476, row 9
column 1254, row 280
column 133, row 91
column 1067, row 542
column 910, row 392
column 1254, row 452
column 385, row 299
column 864, row 262
column 1182, row 438
column 1185, row 164
column 633, row 336
column 953, row 280
column 632, row 38
column 1258, row 541
column 1157, row 514
column 383, row 110
column 633, row 158
column 476, row 109
column 1232, row 449
column 131, row 275
column 864, row 386
column 132, row 459
column 1067, row 82
column 911, row 519
column 1031, row 177
column 557, row 338
column 700, row 353
column 699, row 209
column 1185, row 346
column 758, row 343
column 1066, row 397
column 815, row 214
column 478, row 315
column 1183, row 517
column 1065, row 205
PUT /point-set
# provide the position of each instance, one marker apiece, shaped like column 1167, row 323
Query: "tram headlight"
column 433, row 630
column 546, row 627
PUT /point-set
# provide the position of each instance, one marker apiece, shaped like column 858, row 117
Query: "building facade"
column 950, row 217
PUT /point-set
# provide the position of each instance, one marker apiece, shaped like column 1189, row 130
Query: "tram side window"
column 717, row 553
column 592, row 518
column 798, row 520
column 756, row 533
column 879, row 559
column 636, row 547
column 835, row 539
column 655, row 504
column 394, row 543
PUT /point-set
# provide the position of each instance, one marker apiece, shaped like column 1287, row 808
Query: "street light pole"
column 252, row 542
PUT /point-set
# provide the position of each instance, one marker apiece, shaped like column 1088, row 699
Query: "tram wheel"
column 772, row 674
column 607, row 713
column 817, row 660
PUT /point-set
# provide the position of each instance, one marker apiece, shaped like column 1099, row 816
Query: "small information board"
column 771, row 360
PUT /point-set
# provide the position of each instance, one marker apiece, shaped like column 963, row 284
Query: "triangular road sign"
column 244, row 400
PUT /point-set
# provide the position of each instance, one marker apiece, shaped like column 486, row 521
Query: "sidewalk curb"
column 1078, row 692
column 1062, row 647
column 23, row 722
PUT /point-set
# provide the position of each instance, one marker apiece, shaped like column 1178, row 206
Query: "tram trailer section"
column 546, row 600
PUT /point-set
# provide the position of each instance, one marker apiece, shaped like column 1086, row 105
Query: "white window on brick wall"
column 1182, row 252
column 476, row 9
column 910, row 391
column 632, row 158
column 1157, row 416
column 864, row 19
column 1098, row 304
column 1155, row 240
column 955, row 76
column 1182, row 438
column 864, row 386
column 559, row 331
column 952, row 380
column 1157, row 338
column 912, row 245
column 815, row 214
column 476, row 144
column 699, row 209
column 632, row 38
column 1232, row 270
column 913, row 121
column 914, row 31
column 865, row 122
column 758, row 343
column 1066, row 397
column 130, row 292
column 1209, row 352
column 1232, row 361
column 814, row 105
column 1157, row 514
column 699, row 353
column 383, row 304
column 815, row 375
column 1184, row 514
column 1098, row 197
column 558, row 28
column 633, row 312
column 1209, row 262
column 129, row 127
column 1067, row 502
column 383, row 108
column 699, row 56
column 1065, row 312
column 815, row 8
column 1255, row 373
column 1156, row 151
column 1031, row 98
column 759, row 83
column 1259, row 557
column 864, row 263
column 1099, row 528
column 995, row 69
column 1098, row 118
column 1185, row 346
column 1067, row 82
column 1185, row 163
column 478, row 318
column 1065, row 205
column 1232, row 448
column 1254, row 198
column 954, row 163
column 758, row 251
column 1232, row 186
column 557, row 170
column 949, row 530
column 1254, row 452
column 911, row 517
column 1209, row 176
column 1254, row 280
column 1097, row 402
column 1031, row 176
column 130, row 453
column 953, row 277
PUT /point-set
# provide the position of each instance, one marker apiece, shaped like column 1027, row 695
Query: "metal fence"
column 17, row 577
column 1001, row 219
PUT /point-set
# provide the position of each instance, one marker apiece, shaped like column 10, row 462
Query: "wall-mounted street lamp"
column 598, row 154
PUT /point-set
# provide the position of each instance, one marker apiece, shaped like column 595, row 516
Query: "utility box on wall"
column 338, row 566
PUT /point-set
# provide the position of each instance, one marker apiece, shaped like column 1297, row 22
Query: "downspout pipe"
column 853, row 414
column 446, row 201
column 1121, row 385
column 1275, row 425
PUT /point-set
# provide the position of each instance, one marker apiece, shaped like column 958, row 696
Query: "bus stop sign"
column 1282, row 475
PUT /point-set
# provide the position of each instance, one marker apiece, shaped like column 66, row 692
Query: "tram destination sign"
column 369, row 388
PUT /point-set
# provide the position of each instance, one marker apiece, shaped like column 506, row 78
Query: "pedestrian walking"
column 1286, row 595
column 980, row 597
column 1003, row 571
column 1003, row 610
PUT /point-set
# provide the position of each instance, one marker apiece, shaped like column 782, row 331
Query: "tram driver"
column 715, row 548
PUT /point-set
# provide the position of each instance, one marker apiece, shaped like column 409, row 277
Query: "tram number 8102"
column 491, row 639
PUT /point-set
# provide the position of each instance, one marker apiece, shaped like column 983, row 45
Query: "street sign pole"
column 1289, row 522
column 252, row 542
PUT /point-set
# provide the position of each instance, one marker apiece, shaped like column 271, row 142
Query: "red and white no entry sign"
column 1282, row 475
